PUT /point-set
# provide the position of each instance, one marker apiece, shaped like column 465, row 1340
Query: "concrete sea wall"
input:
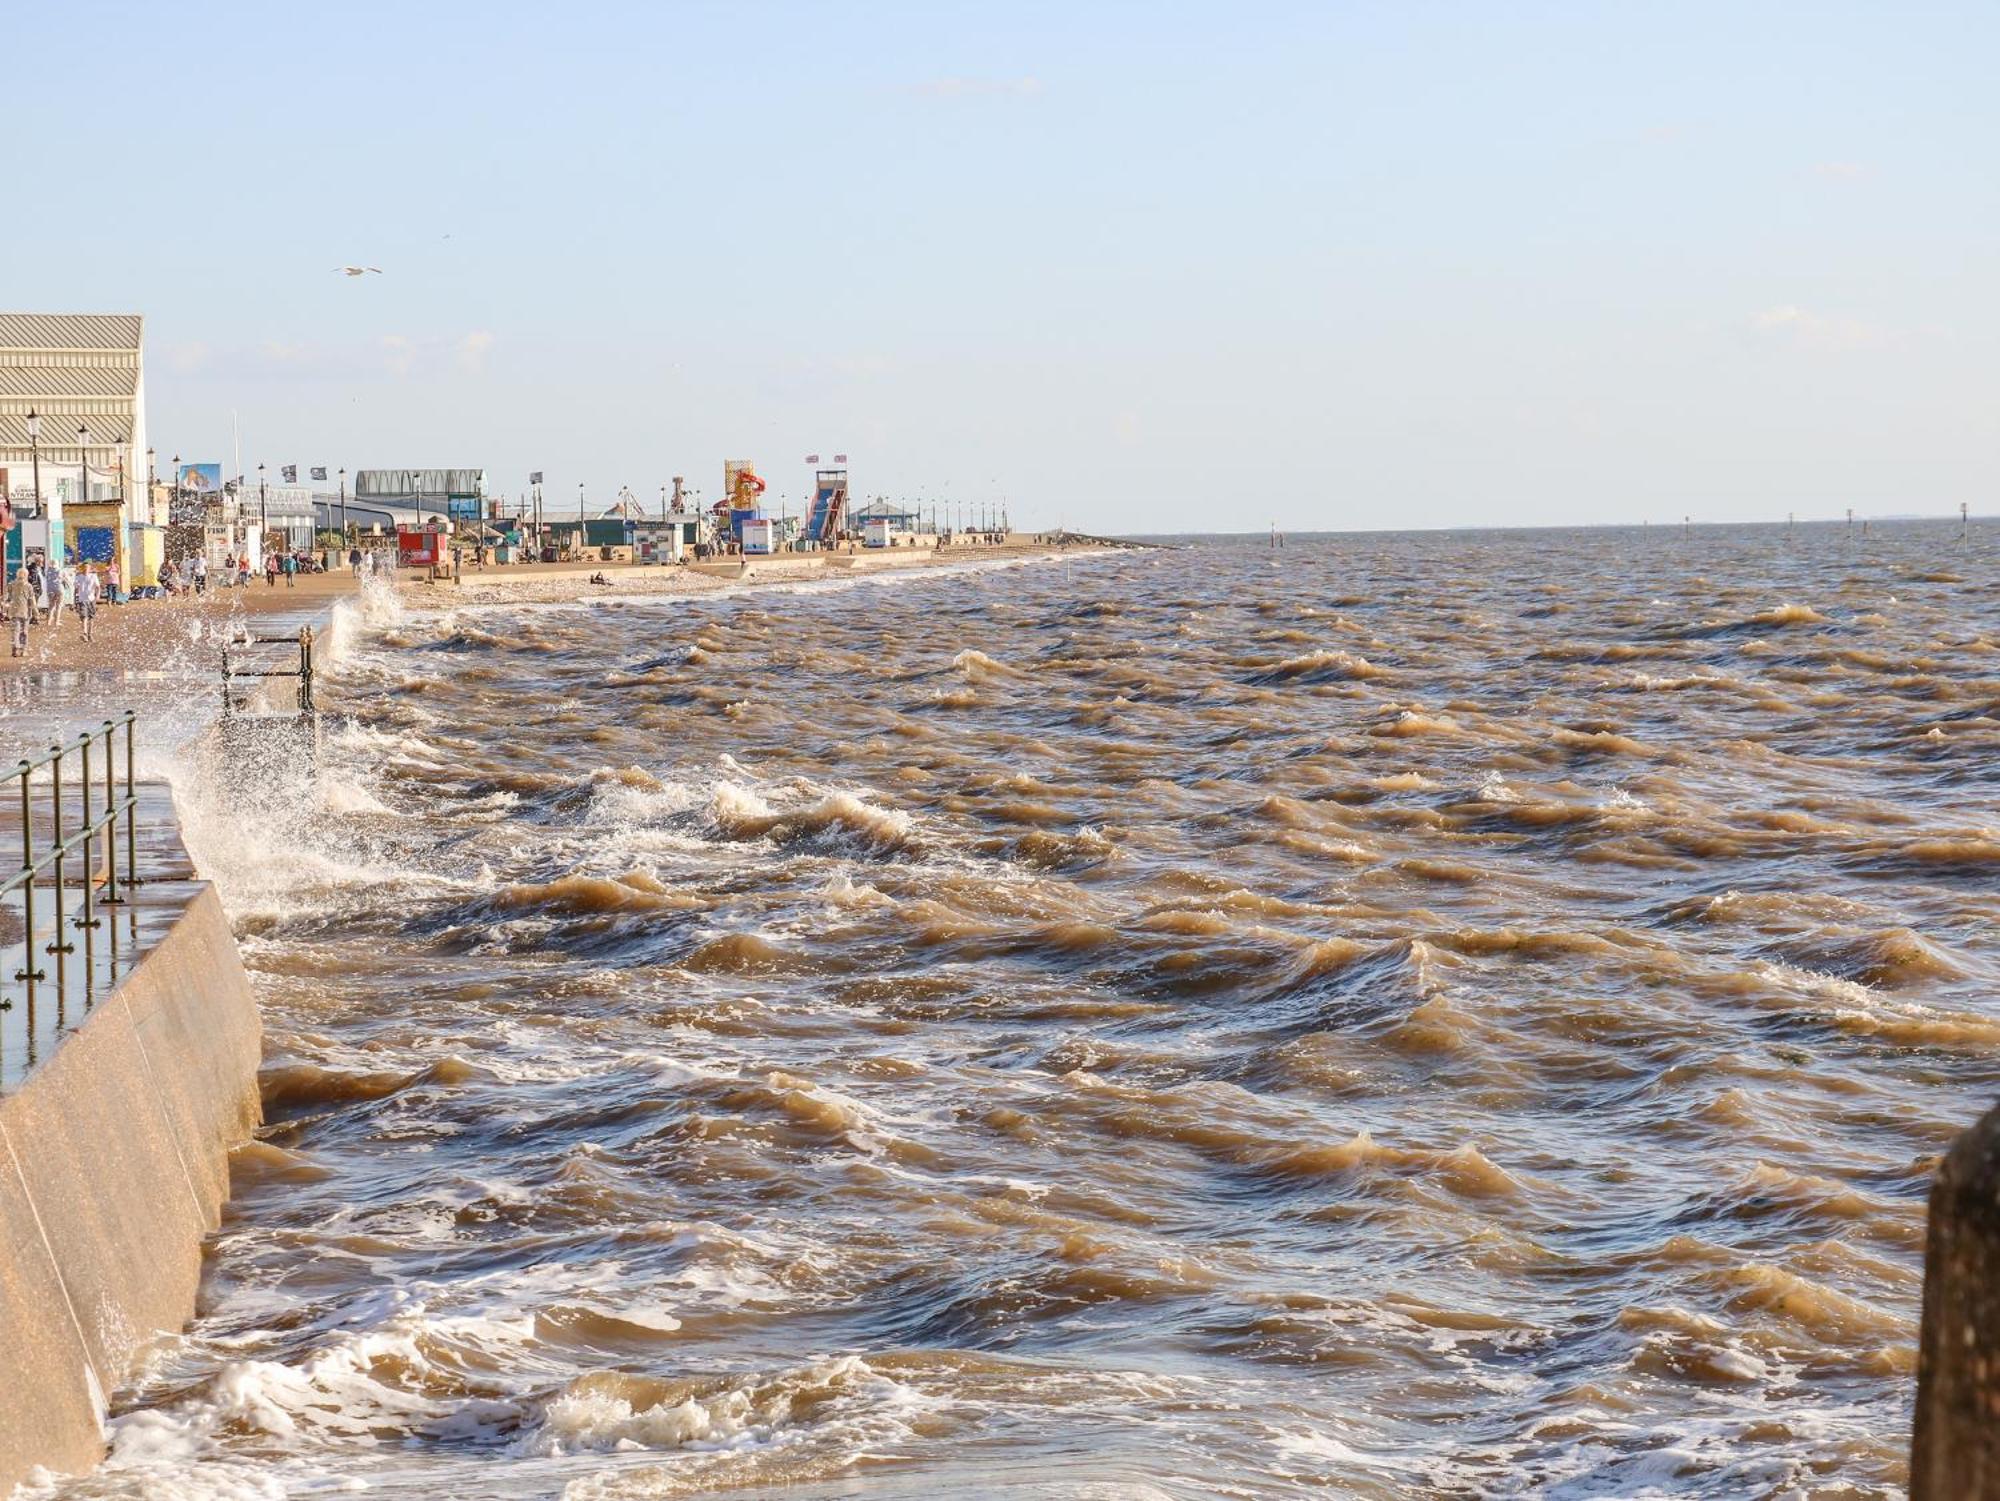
column 113, row 1167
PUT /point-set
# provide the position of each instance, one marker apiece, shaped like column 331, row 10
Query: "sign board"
column 206, row 479
column 418, row 549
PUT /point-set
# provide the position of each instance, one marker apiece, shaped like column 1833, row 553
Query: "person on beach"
column 21, row 595
column 201, row 573
column 38, row 585
column 354, row 560
column 271, row 571
column 243, row 571
column 170, row 578
column 291, row 568
column 59, row 587
column 87, row 589
column 111, row 581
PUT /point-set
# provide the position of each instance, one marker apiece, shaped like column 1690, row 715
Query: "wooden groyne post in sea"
column 1955, row 1450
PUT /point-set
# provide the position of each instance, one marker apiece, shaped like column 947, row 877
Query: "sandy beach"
column 145, row 634
column 561, row 583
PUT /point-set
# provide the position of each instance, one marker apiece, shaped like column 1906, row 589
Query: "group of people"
column 40, row 593
column 191, row 575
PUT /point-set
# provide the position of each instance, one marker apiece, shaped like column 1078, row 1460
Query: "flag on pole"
column 290, row 474
column 535, row 478
column 840, row 458
column 319, row 471
column 812, row 458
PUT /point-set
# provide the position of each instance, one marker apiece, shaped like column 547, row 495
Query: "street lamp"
column 35, row 450
column 263, row 516
column 343, row 507
column 83, row 463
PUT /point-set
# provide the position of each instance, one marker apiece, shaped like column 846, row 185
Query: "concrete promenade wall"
column 113, row 1167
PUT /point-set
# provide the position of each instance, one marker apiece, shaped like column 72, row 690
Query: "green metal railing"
column 233, row 672
column 95, row 821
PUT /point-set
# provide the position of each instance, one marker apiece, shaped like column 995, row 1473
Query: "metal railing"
column 233, row 672
column 93, row 820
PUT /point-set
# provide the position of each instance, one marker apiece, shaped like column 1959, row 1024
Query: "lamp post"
column 83, row 463
column 35, row 452
column 263, row 516
column 343, row 509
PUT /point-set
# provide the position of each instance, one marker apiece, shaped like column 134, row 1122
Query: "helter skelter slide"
column 829, row 506
column 742, row 490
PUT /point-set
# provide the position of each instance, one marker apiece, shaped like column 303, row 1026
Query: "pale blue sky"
column 1137, row 266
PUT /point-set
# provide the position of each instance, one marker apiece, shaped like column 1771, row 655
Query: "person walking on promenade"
column 37, row 584
column 201, row 573
column 59, row 587
column 111, row 581
column 243, row 571
column 354, row 560
column 20, row 611
column 291, row 568
column 87, row 590
column 65, row 595
column 271, row 571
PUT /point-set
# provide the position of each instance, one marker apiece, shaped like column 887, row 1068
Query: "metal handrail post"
column 131, row 810
column 31, row 973
column 59, row 948
column 111, row 897
column 89, row 918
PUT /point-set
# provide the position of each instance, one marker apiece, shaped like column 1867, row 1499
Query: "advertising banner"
column 206, row 479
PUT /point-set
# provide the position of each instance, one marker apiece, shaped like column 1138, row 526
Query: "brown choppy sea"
column 1449, row 1014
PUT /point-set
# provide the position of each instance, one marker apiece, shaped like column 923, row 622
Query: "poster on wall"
column 203, row 479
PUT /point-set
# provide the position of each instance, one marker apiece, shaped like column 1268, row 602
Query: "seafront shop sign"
column 203, row 479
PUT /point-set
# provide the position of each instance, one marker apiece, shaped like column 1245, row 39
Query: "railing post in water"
column 32, row 972
column 1955, row 1451
column 305, row 669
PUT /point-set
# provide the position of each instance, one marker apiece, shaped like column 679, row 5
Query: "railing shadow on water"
column 68, row 903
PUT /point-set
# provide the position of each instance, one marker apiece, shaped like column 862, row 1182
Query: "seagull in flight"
column 358, row 270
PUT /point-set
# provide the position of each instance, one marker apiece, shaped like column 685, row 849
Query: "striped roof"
column 66, row 380
column 59, row 431
column 71, row 330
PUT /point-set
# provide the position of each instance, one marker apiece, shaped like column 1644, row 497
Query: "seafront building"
column 81, row 378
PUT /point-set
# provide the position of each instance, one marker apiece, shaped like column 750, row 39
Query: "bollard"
column 1955, row 1450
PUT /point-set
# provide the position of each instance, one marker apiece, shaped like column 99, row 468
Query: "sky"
column 1126, row 267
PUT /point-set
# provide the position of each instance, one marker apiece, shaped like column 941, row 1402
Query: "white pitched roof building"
column 75, row 370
